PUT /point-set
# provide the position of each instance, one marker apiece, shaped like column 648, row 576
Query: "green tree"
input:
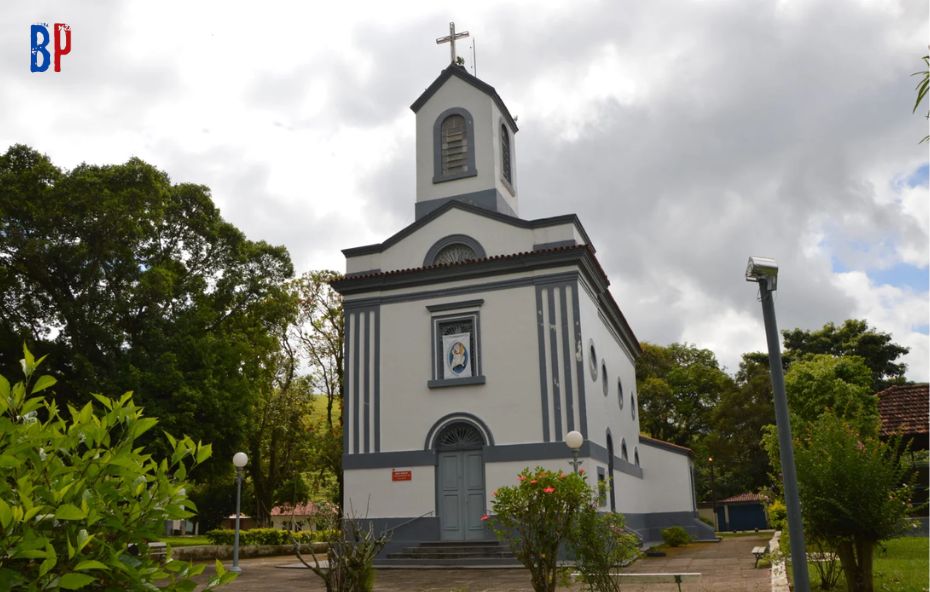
column 852, row 338
column 138, row 284
column 80, row 498
column 740, row 460
column 841, row 385
column 318, row 336
column 922, row 87
column 851, row 493
column 678, row 387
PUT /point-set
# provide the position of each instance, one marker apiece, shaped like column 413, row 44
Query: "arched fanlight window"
column 454, row 253
column 454, row 145
column 506, row 168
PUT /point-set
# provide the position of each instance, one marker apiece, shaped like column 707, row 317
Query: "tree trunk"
column 856, row 558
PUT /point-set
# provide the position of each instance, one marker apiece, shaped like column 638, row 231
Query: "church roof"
column 904, row 409
column 649, row 440
column 512, row 220
column 462, row 74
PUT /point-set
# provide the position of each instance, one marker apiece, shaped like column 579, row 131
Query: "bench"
column 654, row 578
column 759, row 552
column 158, row 551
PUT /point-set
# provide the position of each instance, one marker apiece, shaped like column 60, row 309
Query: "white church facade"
column 476, row 340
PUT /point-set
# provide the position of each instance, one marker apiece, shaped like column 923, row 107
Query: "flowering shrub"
column 602, row 545
column 535, row 516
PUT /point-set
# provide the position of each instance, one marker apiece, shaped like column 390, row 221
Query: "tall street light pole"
column 240, row 459
column 713, row 491
column 764, row 271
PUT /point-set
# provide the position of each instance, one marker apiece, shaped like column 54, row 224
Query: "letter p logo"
column 39, row 39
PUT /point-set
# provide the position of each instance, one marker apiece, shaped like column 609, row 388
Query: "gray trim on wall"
column 367, row 382
column 554, row 361
column 488, row 199
column 434, row 383
column 579, row 361
column 555, row 245
column 346, row 407
column 566, row 361
column 455, row 305
column 528, row 452
column 451, row 418
column 355, row 389
column 450, row 203
column 453, row 239
column 470, row 170
column 649, row 526
column 377, row 379
column 543, row 387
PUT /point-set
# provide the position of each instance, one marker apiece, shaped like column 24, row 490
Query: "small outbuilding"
column 745, row 511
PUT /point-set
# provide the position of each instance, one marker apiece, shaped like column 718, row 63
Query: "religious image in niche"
column 456, row 358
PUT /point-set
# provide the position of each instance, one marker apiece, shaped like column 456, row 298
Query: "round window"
column 620, row 392
column 633, row 405
column 454, row 253
column 604, row 377
column 635, row 456
column 592, row 359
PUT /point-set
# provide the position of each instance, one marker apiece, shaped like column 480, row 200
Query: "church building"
column 475, row 340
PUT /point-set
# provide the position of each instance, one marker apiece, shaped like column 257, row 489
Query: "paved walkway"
column 725, row 567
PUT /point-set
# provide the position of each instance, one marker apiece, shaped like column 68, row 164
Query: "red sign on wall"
column 405, row 475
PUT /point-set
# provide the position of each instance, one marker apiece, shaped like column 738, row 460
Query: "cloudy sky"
column 687, row 135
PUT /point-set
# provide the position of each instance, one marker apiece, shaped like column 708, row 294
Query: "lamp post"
column 574, row 440
column 240, row 459
column 713, row 491
column 764, row 271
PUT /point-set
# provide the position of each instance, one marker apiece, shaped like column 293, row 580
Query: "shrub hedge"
column 675, row 536
column 266, row 536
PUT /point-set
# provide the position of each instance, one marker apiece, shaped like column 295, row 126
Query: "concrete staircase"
column 451, row 553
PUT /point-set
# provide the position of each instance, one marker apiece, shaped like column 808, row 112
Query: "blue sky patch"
column 925, row 329
column 920, row 177
column 902, row 275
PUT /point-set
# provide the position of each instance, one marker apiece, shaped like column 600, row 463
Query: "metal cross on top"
column 450, row 39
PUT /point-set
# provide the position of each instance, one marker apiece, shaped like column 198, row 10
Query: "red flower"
column 533, row 482
column 521, row 478
column 581, row 471
column 548, row 489
column 485, row 517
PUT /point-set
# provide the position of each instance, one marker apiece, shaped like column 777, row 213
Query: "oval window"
column 604, row 377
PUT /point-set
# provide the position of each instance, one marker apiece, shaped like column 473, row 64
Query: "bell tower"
column 465, row 144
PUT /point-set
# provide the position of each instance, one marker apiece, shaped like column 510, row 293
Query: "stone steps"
column 450, row 553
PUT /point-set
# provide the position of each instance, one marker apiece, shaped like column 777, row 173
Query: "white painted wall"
column 373, row 489
column 665, row 486
column 604, row 411
column 509, row 402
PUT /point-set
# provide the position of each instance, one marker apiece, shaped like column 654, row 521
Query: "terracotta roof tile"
column 903, row 409
column 743, row 498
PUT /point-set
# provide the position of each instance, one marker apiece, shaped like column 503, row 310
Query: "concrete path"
column 725, row 567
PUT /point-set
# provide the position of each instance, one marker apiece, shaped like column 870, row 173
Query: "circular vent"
column 459, row 436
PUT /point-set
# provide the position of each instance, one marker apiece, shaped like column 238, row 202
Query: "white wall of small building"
column 665, row 486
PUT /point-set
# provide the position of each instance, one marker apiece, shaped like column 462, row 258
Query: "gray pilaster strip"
column 347, row 373
column 554, row 359
column 567, row 361
column 541, row 335
column 367, row 405
column 377, row 385
column 355, row 390
column 579, row 364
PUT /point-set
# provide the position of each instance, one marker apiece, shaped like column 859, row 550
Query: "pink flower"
column 485, row 517
column 533, row 482
column 548, row 489
column 521, row 478
column 581, row 471
column 494, row 493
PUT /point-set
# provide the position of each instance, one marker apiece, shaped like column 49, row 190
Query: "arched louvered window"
column 459, row 436
column 506, row 169
column 454, row 145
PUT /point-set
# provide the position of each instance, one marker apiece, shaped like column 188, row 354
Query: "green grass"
column 901, row 566
column 187, row 541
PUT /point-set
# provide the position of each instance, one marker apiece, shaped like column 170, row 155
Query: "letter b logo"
column 39, row 39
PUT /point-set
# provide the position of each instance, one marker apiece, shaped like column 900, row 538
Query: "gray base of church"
column 410, row 532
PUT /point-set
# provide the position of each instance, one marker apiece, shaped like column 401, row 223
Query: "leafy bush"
column 778, row 515
column 350, row 552
column 79, row 497
column 675, row 536
column 536, row 515
column 267, row 536
column 602, row 544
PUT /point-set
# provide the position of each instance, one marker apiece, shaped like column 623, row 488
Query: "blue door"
column 460, row 485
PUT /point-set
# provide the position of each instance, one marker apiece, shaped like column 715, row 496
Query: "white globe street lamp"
column 240, row 459
column 574, row 440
